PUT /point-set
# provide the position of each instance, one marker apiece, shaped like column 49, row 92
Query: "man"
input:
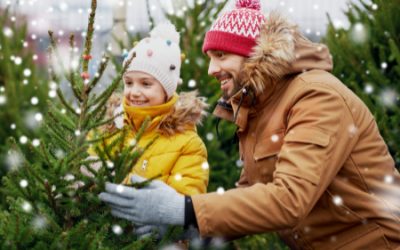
column 316, row 169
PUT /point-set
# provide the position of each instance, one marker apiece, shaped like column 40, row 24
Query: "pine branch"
column 64, row 102
column 99, row 74
column 61, row 64
column 105, row 122
column 89, row 35
column 102, row 99
column 62, row 122
column 71, row 71
column 50, row 197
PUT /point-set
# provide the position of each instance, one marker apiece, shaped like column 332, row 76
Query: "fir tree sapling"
column 51, row 202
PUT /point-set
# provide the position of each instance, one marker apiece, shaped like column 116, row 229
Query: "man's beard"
column 226, row 95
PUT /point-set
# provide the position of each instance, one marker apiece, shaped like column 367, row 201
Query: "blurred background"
column 363, row 38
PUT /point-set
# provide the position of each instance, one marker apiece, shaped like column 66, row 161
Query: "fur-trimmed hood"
column 187, row 112
column 281, row 51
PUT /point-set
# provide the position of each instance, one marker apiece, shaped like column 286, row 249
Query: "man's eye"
column 128, row 83
column 220, row 54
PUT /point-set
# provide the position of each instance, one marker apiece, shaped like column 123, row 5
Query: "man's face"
column 226, row 68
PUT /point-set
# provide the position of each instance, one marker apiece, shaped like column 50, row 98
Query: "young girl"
column 178, row 156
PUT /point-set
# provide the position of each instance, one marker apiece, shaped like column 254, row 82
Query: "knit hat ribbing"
column 160, row 56
column 236, row 31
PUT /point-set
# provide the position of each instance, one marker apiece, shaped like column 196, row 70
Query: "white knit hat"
column 160, row 56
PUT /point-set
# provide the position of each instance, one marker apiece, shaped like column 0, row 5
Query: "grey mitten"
column 148, row 230
column 155, row 204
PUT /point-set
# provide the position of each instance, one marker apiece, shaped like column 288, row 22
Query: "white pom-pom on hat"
column 165, row 31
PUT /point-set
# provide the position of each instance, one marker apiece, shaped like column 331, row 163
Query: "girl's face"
column 142, row 89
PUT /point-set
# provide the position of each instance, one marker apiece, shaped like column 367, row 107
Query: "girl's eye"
column 147, row 84
column 128, row 83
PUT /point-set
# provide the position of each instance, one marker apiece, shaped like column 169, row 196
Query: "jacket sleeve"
column 190, row 173
column 312, row 153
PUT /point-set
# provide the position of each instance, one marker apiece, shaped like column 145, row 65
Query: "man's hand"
column 155, row 204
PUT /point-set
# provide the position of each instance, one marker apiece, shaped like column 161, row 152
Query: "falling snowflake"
column 117, row 229
column 352, row 129
column 110, row 164
column 17, row 60
column 8, row 31
column 384, row 65
column 63, row 6
column 388, row 97
column 52, row 93
column 59, row 154
column 3, row 99
column 133, row 142
column 220, row 190
column 39, row 222
column 26, row 206
column 34, row 100
column 192, row 83
column 27, row 72
column 30, row 120
column 369, row 88
column 77, row 132
column 337, row 200
column 210, row 136
column 389, row 179
column 14, row 159
column 69, row 177
column 38, row 117
column 239, row 163
column 74, row 64
column 205, row 165
column 23, row 139
column 120, row 189
column 23, row 183
column 358, row 33
column 217, row 243
column 178, row 177
column 35, row 142
column 274, row 138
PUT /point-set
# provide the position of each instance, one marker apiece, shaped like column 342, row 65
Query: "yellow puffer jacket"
column 178, row 155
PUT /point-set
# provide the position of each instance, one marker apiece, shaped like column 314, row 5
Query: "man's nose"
column 213, row 68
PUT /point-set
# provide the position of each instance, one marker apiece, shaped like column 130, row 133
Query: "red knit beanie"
column 236, row 30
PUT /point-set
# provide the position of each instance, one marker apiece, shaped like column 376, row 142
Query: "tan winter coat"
column 316, row 169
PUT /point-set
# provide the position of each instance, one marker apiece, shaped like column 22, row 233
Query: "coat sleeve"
column 242, row 182
column 190, row 173
column 312, row 153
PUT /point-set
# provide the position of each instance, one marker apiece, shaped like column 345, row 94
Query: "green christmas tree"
column 23, row 91
column 52, row 200
column 367, row 59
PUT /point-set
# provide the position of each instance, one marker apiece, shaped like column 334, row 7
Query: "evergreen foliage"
column 367, row 59
column 52, row 203
column 23, row 92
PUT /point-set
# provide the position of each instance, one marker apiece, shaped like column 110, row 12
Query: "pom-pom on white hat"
column 160, row 56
